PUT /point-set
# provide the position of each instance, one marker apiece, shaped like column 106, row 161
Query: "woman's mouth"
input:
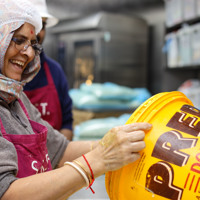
column 18, row 63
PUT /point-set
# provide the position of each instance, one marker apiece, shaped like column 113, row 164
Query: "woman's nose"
column 29, row 51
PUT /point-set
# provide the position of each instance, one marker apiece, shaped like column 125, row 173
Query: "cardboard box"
column 84, row 115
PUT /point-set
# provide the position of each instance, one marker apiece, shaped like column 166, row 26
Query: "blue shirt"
column 61, row 84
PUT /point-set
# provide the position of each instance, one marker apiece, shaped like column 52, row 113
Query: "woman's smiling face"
column 15, row 61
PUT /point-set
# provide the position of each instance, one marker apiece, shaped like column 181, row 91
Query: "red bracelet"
column 91, row 174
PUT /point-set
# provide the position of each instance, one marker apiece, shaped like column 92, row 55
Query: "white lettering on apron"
column 42, row 168
column 34, row 168
column 44, row 105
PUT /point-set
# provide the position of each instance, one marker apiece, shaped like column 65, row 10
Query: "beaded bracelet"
column 80, row 171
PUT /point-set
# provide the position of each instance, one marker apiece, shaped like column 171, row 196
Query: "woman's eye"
column 34, row 42
column 19, row 41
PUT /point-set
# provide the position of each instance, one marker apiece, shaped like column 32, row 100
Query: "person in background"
column 36, row 161
column 48, row 91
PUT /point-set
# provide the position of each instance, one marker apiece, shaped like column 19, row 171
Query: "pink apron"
column 31, row 149
column 47, row 101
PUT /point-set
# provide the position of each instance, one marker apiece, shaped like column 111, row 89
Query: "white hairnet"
column 19, row 11
column 13, row 14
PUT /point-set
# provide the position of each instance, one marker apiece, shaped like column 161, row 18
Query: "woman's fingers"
column 135, row 136
column 122, row 144
column 136, row 126
column 131, row 158
column 134, row 157
column 137, row 146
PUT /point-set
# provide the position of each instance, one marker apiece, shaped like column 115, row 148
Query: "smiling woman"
column 17, row 56
column 30, row 148
column 12, row 82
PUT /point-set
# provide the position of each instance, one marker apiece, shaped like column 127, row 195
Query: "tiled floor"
column 99, row 188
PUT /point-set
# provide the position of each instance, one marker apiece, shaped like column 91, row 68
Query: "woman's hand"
column 121, row 145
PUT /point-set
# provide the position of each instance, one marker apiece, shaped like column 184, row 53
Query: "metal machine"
column 103, row 47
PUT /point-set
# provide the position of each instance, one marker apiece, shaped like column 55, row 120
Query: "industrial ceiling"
column 69, row 9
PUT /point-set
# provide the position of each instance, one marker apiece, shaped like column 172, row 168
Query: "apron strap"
column 4, row 104
column 24, row 108
column 3, row 131
column 48, row 74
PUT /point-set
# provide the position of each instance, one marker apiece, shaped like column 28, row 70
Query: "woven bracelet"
column 90, row 172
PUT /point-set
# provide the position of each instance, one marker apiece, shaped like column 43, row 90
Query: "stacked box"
column 189, row 9
column 174, row 12
column 195, row 44
column 184, row 40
